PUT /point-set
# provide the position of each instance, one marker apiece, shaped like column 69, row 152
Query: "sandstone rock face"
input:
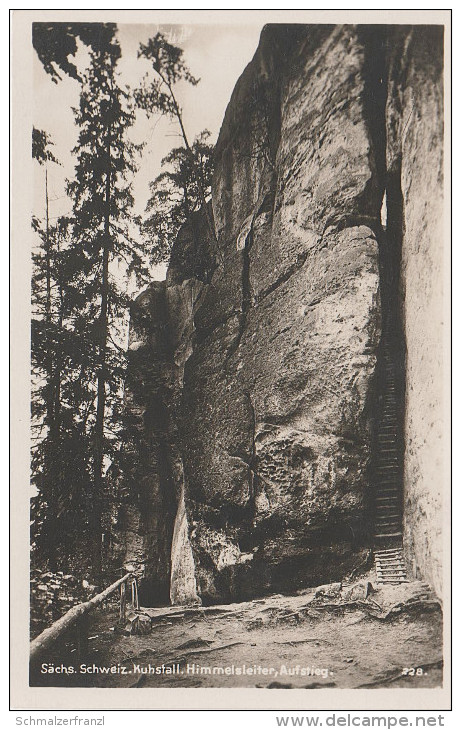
column 278, row 387
column 145, row 518
column 415, row 157
column 266, row 373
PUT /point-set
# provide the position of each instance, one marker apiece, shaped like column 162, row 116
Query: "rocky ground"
column 352, row 636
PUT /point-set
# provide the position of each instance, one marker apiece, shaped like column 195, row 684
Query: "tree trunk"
column 96, row 514
column 51, row 491
column 49, row 357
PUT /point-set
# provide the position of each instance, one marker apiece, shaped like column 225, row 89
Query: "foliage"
column 61, row 398
column 104, row 244
column 40, row 147
column 83, row 265
column 52, row 595
column 175, row 194
column 157, row 95
column 55, row 42
column 80, row 304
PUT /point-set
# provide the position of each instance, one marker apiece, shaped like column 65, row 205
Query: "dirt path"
column 341, row 639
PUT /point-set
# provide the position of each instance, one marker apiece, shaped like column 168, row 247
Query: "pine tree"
column 157, row 94
column 61, row 397
column 102, row 203
column 45, row 401
column 175, row 195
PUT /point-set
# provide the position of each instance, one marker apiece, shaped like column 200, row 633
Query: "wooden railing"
column 78, row 617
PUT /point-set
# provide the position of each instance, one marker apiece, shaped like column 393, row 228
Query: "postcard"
column 231, row 359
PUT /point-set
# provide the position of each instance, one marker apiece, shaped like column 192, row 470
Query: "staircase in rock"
column 389, row 562
column 390, row 566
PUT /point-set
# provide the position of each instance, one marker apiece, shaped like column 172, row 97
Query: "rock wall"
column 273, row 320
column 147, row 499
column 415, row 171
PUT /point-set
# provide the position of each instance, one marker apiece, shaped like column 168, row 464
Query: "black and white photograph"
column 237, row 327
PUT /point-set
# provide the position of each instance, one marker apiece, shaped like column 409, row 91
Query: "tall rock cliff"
column 261, row 414
column 414, row 157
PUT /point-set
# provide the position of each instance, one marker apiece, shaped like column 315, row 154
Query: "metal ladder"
column 390, row 566
column 389, row 559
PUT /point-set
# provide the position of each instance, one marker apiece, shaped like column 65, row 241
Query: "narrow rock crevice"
column 390, row 411
column 246, row 294
column 264, row 203
column 375, row 78
column 385, row 185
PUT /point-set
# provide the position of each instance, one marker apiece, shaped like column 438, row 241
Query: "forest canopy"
column 86, row 266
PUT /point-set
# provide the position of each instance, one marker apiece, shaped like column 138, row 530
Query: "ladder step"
column 396, row 550
column 391, row 570
column 387, row 521
column 395, row 573
column 394, row 582
column 390, row 561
